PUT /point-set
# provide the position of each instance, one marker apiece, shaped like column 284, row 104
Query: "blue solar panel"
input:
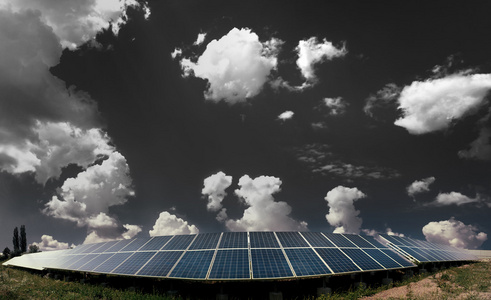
column 80, row 248
column 306, row 262
column 105, row 247
column 118, row 246
column 161, row 263
column 135, row 245
column 85, row 259
column 382, row 258
column 73, row 260
column 205, row 241
column 269, row 263
column 193, row 264
column 358, row 241
column 336, row 260
column 362, row 259
column 414, row 254
column 291, row 239
column 91, row 248
column 156, row 243
column 317, row 239
column 404, row 262
column 89, row 266
column 230, row 264
column 263, row 240
column 233, row 240
column 112, row 262
column 179, row 242
column 66, row 261
column 134, row 263
column 339, row 240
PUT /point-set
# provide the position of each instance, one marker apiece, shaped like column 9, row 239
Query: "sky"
column 123, row 119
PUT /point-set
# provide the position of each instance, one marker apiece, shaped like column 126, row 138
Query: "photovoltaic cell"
column 118, row 246
column 105, row 247
column 133, row 263
column 63, row 261
column 205, row 241
column 382, row 258
column 230, row 264
column 358, row 241
column 80, row 248
column 339, row 240
column 193, row 264
column 112, row 262
column 336, row 260
column 404, row 262
column 91, row 248
column 179, row 242
column 156, row 243
column 362, row 259
column 269, row 263
column 85, row 259
column 89, row 266
column 316, row 239
column 135, row 245
column 306, row 262
column 263, row 240
column 66, row 265
column 161, row 263
column 233, row 240
column 414, row 254
column 291, row 239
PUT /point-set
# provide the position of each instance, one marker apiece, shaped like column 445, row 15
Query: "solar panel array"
column 423, row 251
column 243, row 255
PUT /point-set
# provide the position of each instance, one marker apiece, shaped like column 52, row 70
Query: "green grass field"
column 471, row 282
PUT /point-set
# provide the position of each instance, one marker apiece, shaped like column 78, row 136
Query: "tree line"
column 19, row 244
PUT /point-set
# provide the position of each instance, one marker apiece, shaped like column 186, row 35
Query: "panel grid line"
column 214, row 256
column 286, row 256
column 317, row 253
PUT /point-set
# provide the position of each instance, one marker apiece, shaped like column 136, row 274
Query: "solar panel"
column 91, row 248
column 71, row 261
column 193, row 264
column 89, row 266
column 291, row 239
column 231, row 264
column 156, row 243
column 402, row 261
column 362, row 259
column 118, row 246
column 358, row 241
column 306, row 262
column 382, row 258
column 133, row 263
column 112, row 262
column 161, row 263
column 85, row 259
column 269, row 263
column 336, row 260
column 317, row 239
column 339, row 240
column 233, row 240
column 179, row 242
column 105, row 247
column 79, row 248
column 205, row 241
column 135, row 245
column 263, row 240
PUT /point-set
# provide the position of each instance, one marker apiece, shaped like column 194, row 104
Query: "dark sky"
column 347, row 116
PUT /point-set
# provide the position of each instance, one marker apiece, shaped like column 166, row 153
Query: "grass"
column 466, row 283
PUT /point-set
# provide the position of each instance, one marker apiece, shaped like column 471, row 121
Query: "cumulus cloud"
column 385, row 97
column 236, row 66
column 420, row 186
column 169, row 224
column 76, row 22
column 336, row 106
column 200, row 39
column 48, row 243
column 350, row 171
column 263, row 213
column 177, row 52
column 453, row 198
column 214, row 187
column 389, row 231
column 433, row 104
column 454, row 233
column 311, row 52
column 286, row 115
column 342, row 213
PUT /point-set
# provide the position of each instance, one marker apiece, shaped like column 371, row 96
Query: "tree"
column 15, row 240
column 23, row 240
column 33, row 248
column 6, row 252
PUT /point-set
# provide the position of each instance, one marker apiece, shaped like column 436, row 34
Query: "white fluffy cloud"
column 336, row 105
column 48, row 243
column 433, row 104
column 286, row 115
column 311, row 52
column 200, row 39
column 236, row 66
column 169, row 224
column 78, row 21
column 214, row 187
column 420, row 186
column 342, row 213
column 454, row 233
column 263, row 213
column 453, row 198
column 389, row 231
